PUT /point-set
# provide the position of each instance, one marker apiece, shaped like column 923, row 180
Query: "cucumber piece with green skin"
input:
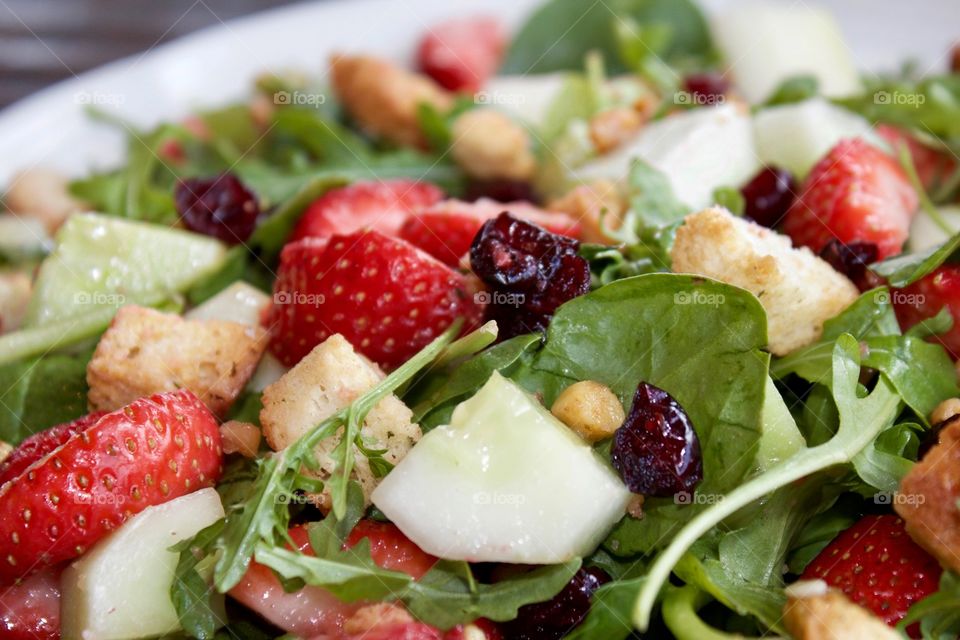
column 22, row 239
column 505, row 481
column 102, row 261
column 120, row 589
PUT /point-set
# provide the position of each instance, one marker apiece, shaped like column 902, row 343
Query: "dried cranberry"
column 955, row 59
column 530, row 272
column 556, row 618
column 221, row 207
column 500, row 190
column 656, row 450
column 852, row 260
column 768, row 195
column 706, row 88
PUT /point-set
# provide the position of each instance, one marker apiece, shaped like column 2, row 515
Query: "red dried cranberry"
column 656, row 450
column 955, row 59
column 530, row 272
column 706, row 88
column 500, row 190
column 852, row 261
column 556, row 618
column 221, row 207
column 768, row 195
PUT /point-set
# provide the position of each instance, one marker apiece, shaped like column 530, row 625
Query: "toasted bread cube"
column 488, row 145
column 43, row 194
column 798, row 290
column 145, row 352
column 815, row 612
column 927, row 500
column 591, row 409
column 328, row 379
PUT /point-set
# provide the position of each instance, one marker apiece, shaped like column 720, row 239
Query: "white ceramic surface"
column 216, row 65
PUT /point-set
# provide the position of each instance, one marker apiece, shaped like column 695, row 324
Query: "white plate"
column 216, row 65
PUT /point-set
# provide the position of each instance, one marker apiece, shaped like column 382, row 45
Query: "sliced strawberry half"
column 390, row 549
column 463, row 53
column 926, row 297
column 447, row 229
column 878, row 566
column 857, row 193
column 153, row 450
column 30, row 609
column 385, row 296
column 381, row 205
column 42, row 443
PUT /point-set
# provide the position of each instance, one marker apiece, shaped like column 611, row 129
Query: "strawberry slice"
column 378, row 205
column 151, row 451
column 856, row 193
column 933, row 166
column 42, row 443
column 446, row 229
column 926, row 297
column 390, row 549
column 30, row 610
column 385, row 296
column 878, row 566
column 463, row 53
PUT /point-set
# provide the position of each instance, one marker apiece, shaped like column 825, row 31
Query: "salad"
column 649, row 331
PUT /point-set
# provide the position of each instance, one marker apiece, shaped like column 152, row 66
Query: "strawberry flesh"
column 30, row 609
column 926, row 297
column 42, row 443
column 463, row 53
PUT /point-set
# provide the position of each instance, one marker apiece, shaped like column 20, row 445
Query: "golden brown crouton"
column 798, row 290
column 145, row 351
column 815, row 613
column 489, row 145
column 591, row 202
column 611, row 128
column 329, row 378
column 383, row 98
column 589, row 408
column 43, row 194
column 928, row 496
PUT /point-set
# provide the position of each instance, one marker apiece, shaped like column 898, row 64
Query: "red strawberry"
column 153, row 450
column 463, row 53
column 30, row 610
column 390, row 549
column 42, row 443
column 378, row 205
column 877, row 565
column 926, row 297
column 447, row 229
column 933, row 166
column 856, row 193
column 385, row 296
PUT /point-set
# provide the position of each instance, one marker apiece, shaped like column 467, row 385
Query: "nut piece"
column 383, row 98
column 945, row 410
column 240, row 437
column 489, row 145
column 15, row 290
column 373, row 616
column 43, row 194
column 821, row 614
column 928, row 498
column 589, row 408
column 588, row 203
column 611, row 128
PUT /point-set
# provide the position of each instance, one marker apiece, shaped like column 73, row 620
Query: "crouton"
column 15, row 290
column 589, row 408
column 611, row 128
column 328, row 379
column 591, row 202
column 145, row 352
column 43, row 194
column 927, row 500
column 798, row 290
column 814, row 612
column 489, row 145
column 383, row 98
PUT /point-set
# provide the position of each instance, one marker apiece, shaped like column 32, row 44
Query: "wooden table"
column 42, row 41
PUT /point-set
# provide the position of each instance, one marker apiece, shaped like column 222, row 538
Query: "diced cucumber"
column 765, row 43
column 504, row 482
column 796, row 136
column 240, row 302
column 120, row 589
column 22, row 238
column 925, row 233
column 103, row 261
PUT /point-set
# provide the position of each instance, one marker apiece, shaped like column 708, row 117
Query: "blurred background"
column 42, row 41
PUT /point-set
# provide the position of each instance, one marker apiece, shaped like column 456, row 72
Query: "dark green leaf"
column 795, row 89
column 906, row 269
column 190, row 593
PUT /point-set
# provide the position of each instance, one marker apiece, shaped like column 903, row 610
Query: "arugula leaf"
column 793, row 89
column 609, row 616
column 730, row 199
column 930, row 105
column 938, row 613
column 651, row 196
column 271, row 234
column 861, row 420
column 906, row 269
column 190, row 593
